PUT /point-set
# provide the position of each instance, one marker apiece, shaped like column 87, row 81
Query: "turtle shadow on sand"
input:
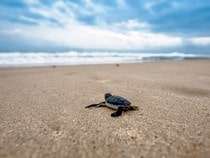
column 114, row 102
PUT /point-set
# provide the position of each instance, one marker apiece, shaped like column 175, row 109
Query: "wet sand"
column 42, row 111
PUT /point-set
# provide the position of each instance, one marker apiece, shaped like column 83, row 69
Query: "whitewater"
column 19, row 59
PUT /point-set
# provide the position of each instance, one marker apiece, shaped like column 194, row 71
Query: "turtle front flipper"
column 96, row 105
column 118, row 112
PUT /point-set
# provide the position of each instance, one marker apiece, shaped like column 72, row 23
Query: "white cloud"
column 93, row 37
column 148, row 5
column 132, row 24
column 31, row 2
column 93, row 8
column 14, row 31
column 54, row 12
column 28, row 19
column 122, row 3
column 202, row 41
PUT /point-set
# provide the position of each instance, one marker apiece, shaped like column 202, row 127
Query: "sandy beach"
column 42, row 111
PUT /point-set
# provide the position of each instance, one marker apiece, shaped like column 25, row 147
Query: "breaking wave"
column 78, row 58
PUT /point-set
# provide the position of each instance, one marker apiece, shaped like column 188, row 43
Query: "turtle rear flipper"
column 118, row 112
column 96, row 105
column 134, row 107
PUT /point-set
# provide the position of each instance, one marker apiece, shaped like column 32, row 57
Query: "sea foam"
column 78, row 58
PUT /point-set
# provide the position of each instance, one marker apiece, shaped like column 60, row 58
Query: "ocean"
column 28, row 59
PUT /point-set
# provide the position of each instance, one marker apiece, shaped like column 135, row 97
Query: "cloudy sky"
column 119, row 25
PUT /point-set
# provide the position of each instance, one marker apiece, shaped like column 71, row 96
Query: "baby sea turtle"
column 115, row 102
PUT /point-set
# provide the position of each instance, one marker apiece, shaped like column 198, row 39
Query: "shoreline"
column 95, row 64
column 42, row 110
column 30, row 59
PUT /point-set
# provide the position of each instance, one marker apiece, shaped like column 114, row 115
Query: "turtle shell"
column 117, row 101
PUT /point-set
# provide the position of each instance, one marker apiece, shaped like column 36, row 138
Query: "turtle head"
column 107, row 95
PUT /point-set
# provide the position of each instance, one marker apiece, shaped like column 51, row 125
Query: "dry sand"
column 42, row 111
